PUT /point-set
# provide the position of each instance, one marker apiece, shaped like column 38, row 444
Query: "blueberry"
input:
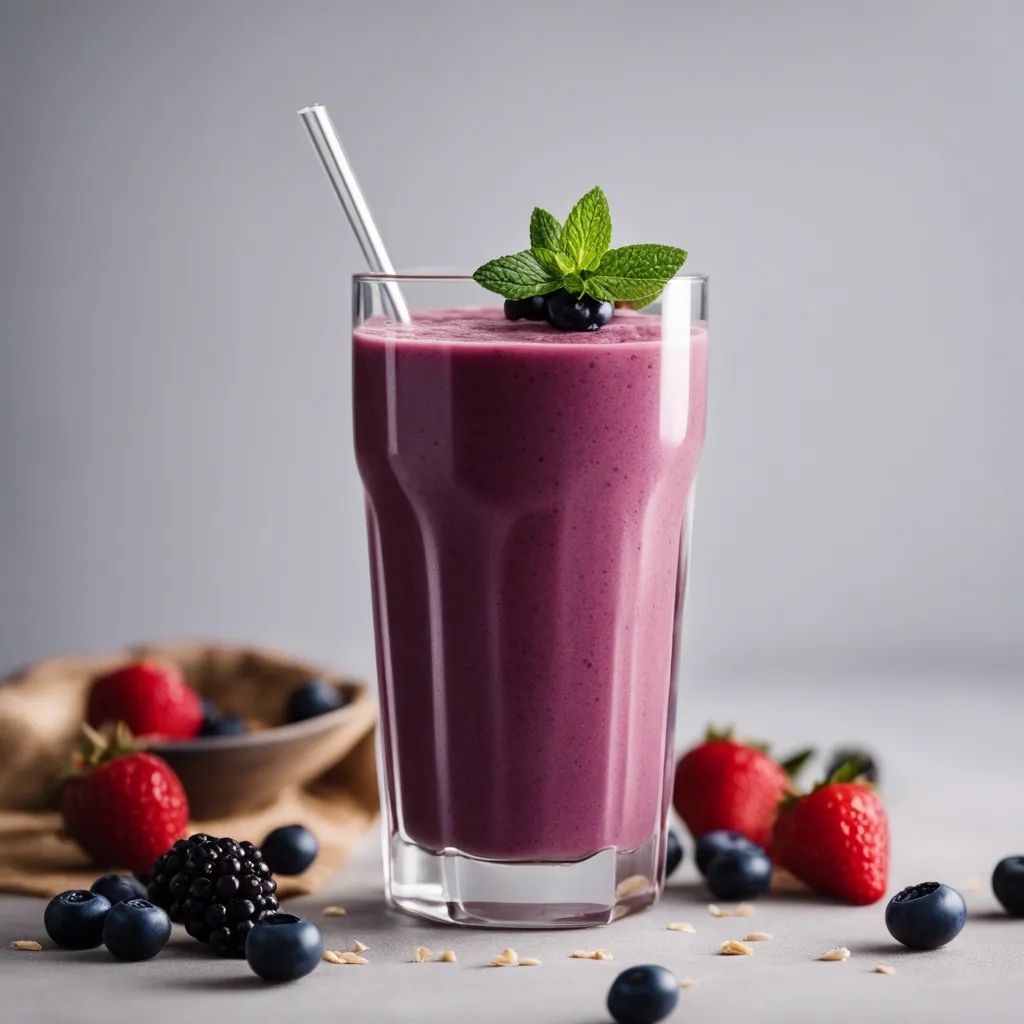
column 711, row 844
column 643, row 995
column 739, row 874
column 673, row 853
column 926, row 916
column 223, row 725
column 525, row 309
column 289, row 850
column 569, row 313
column 119, row 887
column 74, row 919
column 312, row 699
column 136, row 930
column 869, row 765
column 283, row 947
column 1008, row 885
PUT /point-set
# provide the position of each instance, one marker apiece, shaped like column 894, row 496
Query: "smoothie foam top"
column 487, row 325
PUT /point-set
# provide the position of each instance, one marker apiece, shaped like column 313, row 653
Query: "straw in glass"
column 343, row 180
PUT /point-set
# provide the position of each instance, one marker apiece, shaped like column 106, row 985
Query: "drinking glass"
column 529, row 501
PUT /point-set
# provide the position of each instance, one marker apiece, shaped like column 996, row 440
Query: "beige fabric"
column 41, row 709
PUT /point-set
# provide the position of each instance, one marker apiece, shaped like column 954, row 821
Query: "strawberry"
column 150, row 697
column 836, row 838
column 725, row 784
column 123, row 807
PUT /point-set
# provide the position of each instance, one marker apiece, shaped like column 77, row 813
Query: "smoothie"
column 526, row 492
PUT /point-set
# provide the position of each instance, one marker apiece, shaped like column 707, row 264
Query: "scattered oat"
column 974, row 884
column 883, row 969
column 332, row 956
column 422, row 955
column 506, row 958
column 28, row 945
column 529, row 961
column 687, row 983
column 682, row 926
column 635, row 885
column 448, row 956
column 758, row 937
column 359, row 947
column 352, row 958
column 603, row 954
column 335, row 911
column 742, row 910
column 582, row 954
column 734, row 948
column 839, row 953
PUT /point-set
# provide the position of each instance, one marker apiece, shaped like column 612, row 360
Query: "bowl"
column 223, row 775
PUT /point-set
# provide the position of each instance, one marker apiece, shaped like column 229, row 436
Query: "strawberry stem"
column 792, row 766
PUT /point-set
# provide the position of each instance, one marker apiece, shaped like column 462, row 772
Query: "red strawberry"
column 150, row 697
column 725, row 784
column 123, row 807
column 836, row 839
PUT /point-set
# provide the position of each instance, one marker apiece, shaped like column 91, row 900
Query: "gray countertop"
column 953, row 773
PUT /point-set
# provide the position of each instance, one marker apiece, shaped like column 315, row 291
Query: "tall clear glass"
column 529, row 497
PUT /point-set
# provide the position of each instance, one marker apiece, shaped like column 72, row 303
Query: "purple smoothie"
column 526, row 492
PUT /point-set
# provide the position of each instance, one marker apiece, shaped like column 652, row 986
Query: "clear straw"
column 343, row 180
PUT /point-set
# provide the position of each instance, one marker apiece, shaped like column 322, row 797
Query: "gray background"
column 175, row 441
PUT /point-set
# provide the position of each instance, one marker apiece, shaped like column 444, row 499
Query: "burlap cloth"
column 41, row 709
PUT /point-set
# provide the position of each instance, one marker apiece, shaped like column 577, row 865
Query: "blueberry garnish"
column 1008, row 885
column 711, row 844
column 117, row 888
column 525, row 309
column 283, row 947
column 673, row 853
column 643, row 995
column 566, row 312
column 926, row 916
column 739, row 874
column 136, row 930
column 74, row 919
column 290, row 849
column 312, row 699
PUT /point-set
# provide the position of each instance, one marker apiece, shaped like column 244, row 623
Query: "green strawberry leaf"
column 545, row 231
column 792, row 766
column 849, row 771
column 588, row 231
column 519, row 276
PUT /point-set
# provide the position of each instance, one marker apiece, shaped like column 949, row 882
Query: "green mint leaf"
column 574, row 283
column 636, row 272
column 545, row 231
column 549, row 260
column 518, row 276
column 565, row 265
column 588, row 231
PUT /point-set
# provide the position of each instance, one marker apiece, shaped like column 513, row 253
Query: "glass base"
column 455, row 888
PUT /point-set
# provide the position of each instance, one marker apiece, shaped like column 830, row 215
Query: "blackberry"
column 217, row 888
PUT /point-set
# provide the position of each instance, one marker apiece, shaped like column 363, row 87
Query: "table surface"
column 952, row 779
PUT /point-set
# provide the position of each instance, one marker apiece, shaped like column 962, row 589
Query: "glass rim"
column 400, row 276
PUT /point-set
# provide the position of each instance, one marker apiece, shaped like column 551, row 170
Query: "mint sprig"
column 578, row 258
